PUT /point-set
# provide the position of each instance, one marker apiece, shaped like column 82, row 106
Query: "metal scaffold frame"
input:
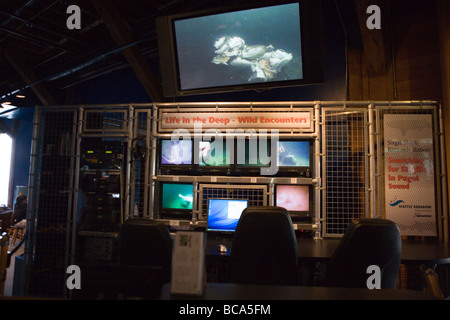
column 347, row 178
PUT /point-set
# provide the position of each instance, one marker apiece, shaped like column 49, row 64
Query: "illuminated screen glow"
column 224, row 214
column 293, row 154
column 292, row 197
column 240, row 47
column 209, row 154
column 253, row 153
column 177, row 196
column 176, row 152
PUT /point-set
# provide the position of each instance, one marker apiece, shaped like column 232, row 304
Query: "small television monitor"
column 176, row 199
column 175, row 156
column 215, row 157
column 294, row 158
column 252, row 155
column 296, row 199
column 241, row 48
column 224, row 214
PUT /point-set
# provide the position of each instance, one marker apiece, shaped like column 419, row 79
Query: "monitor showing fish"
column 240, row 47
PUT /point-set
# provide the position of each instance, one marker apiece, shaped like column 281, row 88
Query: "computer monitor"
column 294, row 158
column 296, row 199
column 252, row 155
column 176, row 199
column 176, row 152
column 175, row 156
column 215, row 157
column 224, row 214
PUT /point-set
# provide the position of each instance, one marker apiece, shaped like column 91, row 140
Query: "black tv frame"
column 297, row 215
column 175, row 169
column 241, row 169
column 224, row 170
column 297, row 171
column 311, row 46
column 176, row 213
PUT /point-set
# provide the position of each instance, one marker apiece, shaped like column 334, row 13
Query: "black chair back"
column 264, row 249
column 145, row 259
column 144, row 242
column 366, row 242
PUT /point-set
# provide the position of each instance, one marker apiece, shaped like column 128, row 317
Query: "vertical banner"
column 409, row 173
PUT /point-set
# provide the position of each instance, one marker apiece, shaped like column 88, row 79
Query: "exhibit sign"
column 237, row 120
column 409, row 173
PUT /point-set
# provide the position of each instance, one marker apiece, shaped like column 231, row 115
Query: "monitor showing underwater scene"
column 293, row 154
column 175, row 152
column 177, row 196
column 292, row 197
column 239, row 47
column 213, row 154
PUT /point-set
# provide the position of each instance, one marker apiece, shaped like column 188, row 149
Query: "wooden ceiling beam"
column 370, row 69
column 29, row 77
column 121, row 33
column 373, row 41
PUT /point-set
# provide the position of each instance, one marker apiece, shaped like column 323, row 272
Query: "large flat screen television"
column 296, row 199
column 241, row 48
column 224, row 214
column 176, row 200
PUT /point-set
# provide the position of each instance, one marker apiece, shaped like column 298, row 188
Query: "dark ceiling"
column 42, row 58
column 39, row 52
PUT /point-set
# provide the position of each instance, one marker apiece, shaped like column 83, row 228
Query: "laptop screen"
column 224, row 214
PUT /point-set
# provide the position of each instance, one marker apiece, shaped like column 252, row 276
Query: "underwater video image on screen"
column 176, row 151
column 224, row 214
column 293, row 154
column 292, row 197
column 253, row 153
column 239, row 47
column 177, row 196
column 213, row 154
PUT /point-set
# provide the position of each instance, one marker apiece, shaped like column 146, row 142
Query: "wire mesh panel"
column 255, row 194
column 140, row 163
column 345, row 168
column 53, row 210
column 105, row 120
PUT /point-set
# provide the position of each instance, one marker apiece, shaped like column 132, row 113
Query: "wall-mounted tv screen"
column 297, row 199
column 294, row 157
column 176, row 156
column 224, row 214
column 242, row 48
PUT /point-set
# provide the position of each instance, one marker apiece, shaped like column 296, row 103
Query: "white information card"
column 188, row 263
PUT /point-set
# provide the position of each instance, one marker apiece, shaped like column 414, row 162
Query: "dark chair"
column 264, row 248
column 145, row 261
column 366, row 242
column 145, row 242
